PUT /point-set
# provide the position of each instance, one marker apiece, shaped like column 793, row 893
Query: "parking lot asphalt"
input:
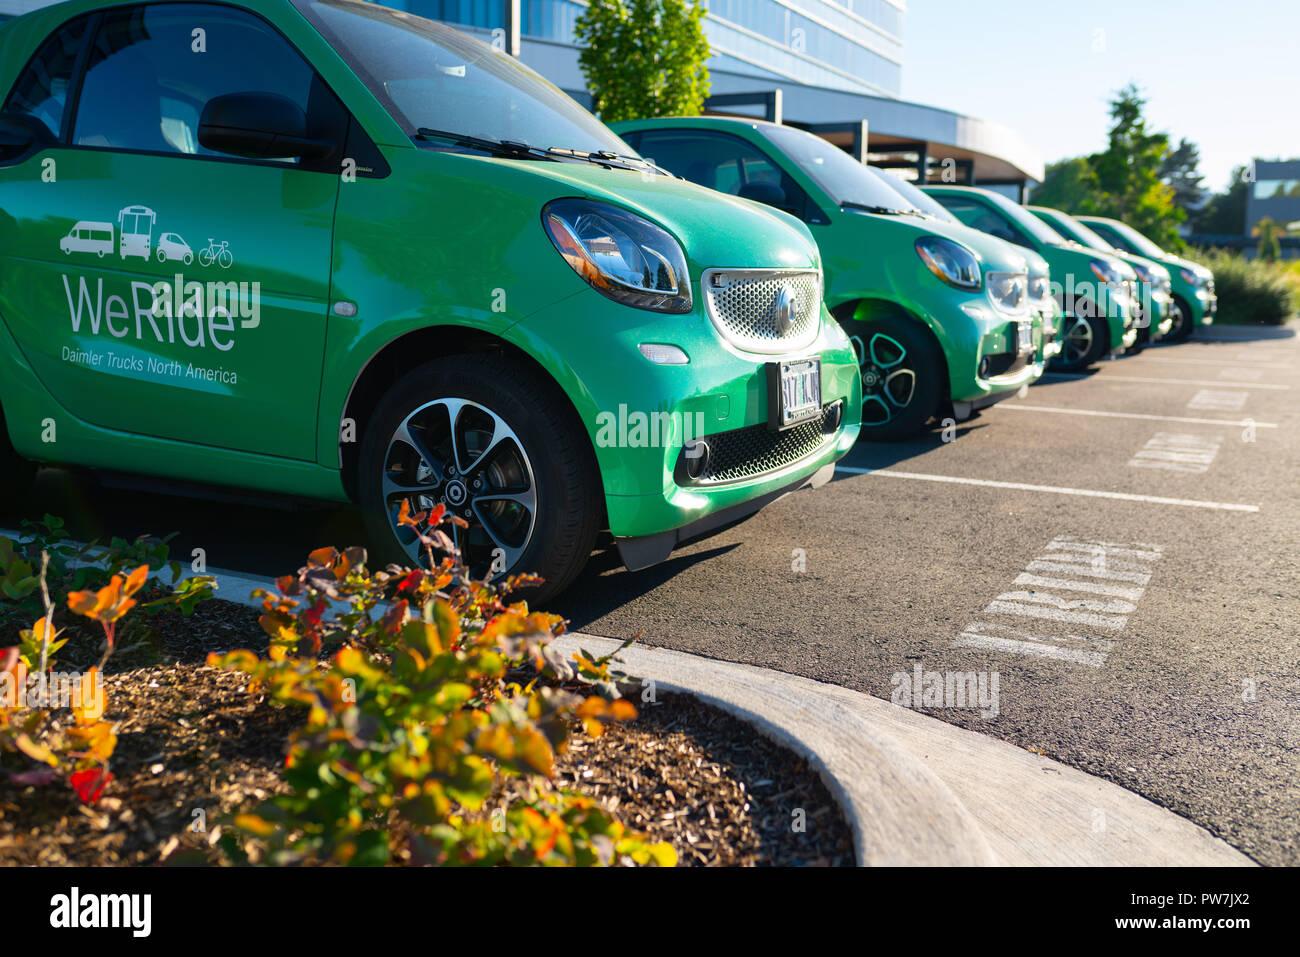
column 1119, row 550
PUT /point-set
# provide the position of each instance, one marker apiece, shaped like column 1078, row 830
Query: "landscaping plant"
column 434, row 711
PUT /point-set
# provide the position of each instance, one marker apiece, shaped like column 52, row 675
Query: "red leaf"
column 89, row 783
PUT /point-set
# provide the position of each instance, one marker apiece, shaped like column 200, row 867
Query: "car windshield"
column 429, row 76
column 1071, row 228
column 1026, row 220
column 846, row 181
column 919, row 200
column 1135, row 241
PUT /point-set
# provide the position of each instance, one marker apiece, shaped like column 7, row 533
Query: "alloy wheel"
column 1077, row 340
column 888, row 379
column 465, row 456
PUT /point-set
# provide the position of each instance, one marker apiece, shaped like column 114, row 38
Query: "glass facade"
column 853, row 45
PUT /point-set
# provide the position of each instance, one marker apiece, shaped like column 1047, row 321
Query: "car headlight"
column 1039, row 286
column 1190, row 276
column 1146, row 274
column 1008, row 291
column 620, row 254
column 951, row 262
column 1106, row 272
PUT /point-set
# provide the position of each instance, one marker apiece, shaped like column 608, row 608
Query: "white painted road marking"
column 1178, row 452
column 1257, row 360
column 1025, row 487
column 1107, row 377
column 1239, row 423
column 1241, row 375
column 1083, row 559
column 1218, row 400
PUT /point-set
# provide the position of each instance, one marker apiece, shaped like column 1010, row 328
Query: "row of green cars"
column 431, row 277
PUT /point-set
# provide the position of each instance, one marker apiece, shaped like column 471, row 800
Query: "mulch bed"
column 193, row 745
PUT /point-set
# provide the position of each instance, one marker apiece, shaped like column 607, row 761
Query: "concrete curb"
column 915, row 790
column 919, row 791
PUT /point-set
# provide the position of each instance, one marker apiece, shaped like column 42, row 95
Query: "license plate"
column 794, row 391
column 1024, row 337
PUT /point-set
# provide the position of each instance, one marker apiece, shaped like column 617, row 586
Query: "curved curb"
column 901, row 813
column 919, row 791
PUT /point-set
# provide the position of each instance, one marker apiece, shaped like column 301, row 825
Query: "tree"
column 1128, row 173
column 1181, row 171
column 1267, row 231
column 1069, row 185
column 644, row 58
column 1225, row 213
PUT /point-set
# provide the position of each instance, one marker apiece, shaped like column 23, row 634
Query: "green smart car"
column 1193, row 285
column 1096, row 291
column 1154, row 300
column 939, row 314
column 1041, row 300
column 326, row 249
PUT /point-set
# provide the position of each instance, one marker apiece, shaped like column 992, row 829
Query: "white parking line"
column 1081, row 559
column 1057, row 490
column 1107, row 377
column 1218, row 400
column 1241, row 375
column 1178, row 452
column 1254, row 360
column 1238, row 423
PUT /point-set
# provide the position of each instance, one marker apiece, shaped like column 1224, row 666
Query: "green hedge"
column 1252, row 292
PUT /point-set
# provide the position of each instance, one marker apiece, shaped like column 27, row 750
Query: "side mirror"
column 18, row 133
column 767, row 193
column 258, row 126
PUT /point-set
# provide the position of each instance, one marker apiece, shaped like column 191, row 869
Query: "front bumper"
column 641, row 415
column 999, row 367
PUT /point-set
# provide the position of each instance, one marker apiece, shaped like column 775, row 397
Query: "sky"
column 1225, row 75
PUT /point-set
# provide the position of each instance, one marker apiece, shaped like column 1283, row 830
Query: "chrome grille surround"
column 741, row 304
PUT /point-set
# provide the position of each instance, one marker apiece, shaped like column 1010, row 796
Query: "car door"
column 216, row 334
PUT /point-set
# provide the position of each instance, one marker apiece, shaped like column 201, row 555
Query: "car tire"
column 1182, row 327
column 535, row 440
column 1083, row 341
column 892, row 349
column 16, row 473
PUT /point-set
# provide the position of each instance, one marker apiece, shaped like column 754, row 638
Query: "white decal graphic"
column 134, row 237
column 135, row 231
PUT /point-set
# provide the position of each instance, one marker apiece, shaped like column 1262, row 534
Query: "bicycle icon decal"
column 218, row 252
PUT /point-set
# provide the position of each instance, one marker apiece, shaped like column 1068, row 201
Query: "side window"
column 725, row 163
column 152, row 69
column 978, row 216
column 41, row 92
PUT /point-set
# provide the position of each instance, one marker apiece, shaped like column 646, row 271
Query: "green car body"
column 1193, row 284
column 960, row 347
column 1095, row 290
column 414, row 288
column 1154, row 284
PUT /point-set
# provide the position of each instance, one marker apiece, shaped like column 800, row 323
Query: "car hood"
column 994, row 254
column 716, row 230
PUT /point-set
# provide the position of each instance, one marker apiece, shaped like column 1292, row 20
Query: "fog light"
column 834, row 415
column 695, row 455
column 664, row 354
column 984, row 368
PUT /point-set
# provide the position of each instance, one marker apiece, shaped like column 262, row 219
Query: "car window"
column 42, row 90
column 978, row 216
column 153, row 68
column 721, row 161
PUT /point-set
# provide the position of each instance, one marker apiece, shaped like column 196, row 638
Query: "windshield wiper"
column 881, row 210
column 495, row 147
column 518, row 150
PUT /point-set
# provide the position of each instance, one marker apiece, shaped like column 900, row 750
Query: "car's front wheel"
column 1083, row 341
column 1181, row 327
column 903, row 376
column 495, row 442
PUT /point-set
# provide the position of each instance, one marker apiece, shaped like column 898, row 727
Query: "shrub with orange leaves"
column 416, row 721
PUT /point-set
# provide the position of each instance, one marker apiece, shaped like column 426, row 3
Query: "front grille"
column 756, row 449
column 741, row 304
